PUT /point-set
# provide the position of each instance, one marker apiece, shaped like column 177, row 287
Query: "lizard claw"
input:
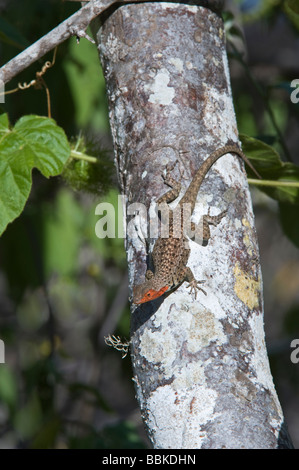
column 194, row 287
column 170, row 166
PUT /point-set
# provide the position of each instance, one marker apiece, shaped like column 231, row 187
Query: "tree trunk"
column 200, row 367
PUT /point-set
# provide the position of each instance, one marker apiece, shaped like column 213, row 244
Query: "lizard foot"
column 194, row 287
column 214, row 219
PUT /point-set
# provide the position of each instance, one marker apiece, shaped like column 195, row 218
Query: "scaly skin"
column 170, row 255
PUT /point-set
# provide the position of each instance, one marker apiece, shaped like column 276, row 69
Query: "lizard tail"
column 191, row 194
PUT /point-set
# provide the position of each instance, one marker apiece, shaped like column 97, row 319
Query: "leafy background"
column 62, row 289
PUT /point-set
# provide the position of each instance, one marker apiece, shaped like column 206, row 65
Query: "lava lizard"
column 170, row 255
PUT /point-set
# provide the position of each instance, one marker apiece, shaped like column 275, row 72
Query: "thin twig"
column 38, row 82
column 75, row 25
column 83, row 156
column 290, row 184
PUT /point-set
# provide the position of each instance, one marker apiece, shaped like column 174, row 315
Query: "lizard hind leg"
column 201, row 233
column 214, row 219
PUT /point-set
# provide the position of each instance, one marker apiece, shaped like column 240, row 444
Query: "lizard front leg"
column 172, row 183
column 193, row 283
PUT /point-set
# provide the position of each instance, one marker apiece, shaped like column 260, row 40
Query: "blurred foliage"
column 59, row 284
column 58, row 281
column 90, row 168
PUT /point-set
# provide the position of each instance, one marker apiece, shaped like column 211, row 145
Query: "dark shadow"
column 144, row 311
column 284, row 441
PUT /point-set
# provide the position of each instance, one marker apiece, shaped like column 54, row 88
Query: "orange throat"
column 152, row 294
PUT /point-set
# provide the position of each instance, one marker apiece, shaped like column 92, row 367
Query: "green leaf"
column 280, row 180
column 46, row 142
column 292, row 10
column 4, row 124
column 34, row 142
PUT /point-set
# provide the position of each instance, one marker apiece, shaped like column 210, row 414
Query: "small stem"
column 78, row 140
column 293, row 184
column 82, row 156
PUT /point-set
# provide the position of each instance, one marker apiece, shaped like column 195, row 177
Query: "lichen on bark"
column 200, row 367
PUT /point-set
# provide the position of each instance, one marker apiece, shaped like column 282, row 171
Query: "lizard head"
column 145, row 292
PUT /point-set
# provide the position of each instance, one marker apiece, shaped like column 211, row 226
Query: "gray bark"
column 201, row 369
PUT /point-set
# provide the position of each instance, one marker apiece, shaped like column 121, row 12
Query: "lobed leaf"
column 34, row 142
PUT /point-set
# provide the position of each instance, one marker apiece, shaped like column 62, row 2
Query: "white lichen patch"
column 177, row 63
column 159, row 347
column 188, row 376
column 237, row 223
column 160, row 92
column 224, row 112
column 226, row 69
column 113, row 46
column 178, row 332
column 205, row 328
column 189, row 411
column 216, row 273
column 168, row 6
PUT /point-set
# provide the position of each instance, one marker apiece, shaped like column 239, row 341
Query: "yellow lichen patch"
column 245, row 222
column 246, row 288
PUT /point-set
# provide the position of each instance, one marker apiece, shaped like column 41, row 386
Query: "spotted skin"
column 170, row 255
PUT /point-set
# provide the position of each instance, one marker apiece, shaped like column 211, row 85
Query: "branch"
column 75, row 25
